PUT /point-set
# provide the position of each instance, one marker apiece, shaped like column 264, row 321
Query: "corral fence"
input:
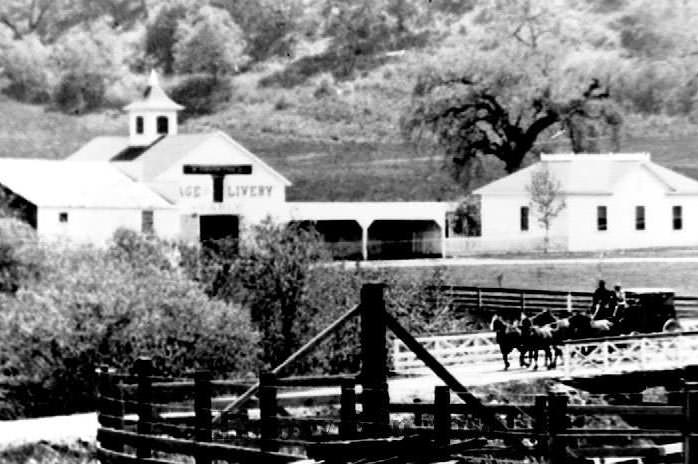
column 514, row 301
column 146, row 418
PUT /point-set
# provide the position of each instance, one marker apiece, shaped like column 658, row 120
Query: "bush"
column 78, row 92
column 24, row 65
column 209, row 42
column 20, row 260
column 160, row 35
column 95, row 307
column 201, row 93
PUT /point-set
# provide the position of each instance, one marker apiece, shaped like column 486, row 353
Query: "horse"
column 543, row 332
column 537, row 338
column 508, row 338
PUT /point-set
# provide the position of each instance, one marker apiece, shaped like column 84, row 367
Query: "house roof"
column 154, row 98
column 74, row 184
column 159, row 156
column 587, row 174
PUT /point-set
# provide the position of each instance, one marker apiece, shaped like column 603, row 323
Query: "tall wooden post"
column 557, row 423
column 442, row 415
column 374, row 360
column 144, row 398
column 347, row 412
column 268, row 405
column 540, row 424
column 111, row 405
column 418, row 414
column 690, row 410
column 202, row 411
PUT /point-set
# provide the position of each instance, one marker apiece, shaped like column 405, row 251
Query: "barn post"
column 202, row 412
column 442, row 415
column 268, row 405
column 144, row 399
column 690, row 410
column 347, row 412
column 374, row 360
column 557, row 423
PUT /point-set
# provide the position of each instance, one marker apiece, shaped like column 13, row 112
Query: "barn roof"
column 74, row 184
column 160, row 155
column 589, row 174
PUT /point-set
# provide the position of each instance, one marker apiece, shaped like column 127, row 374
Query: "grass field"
column 682, row 277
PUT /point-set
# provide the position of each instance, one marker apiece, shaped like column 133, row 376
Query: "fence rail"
column 513, row 301
column 149, row 419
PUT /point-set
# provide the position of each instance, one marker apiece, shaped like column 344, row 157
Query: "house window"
column 601, row 218
column 639, row 218
column 677, row 217
column 139, row 125
column 524, row 218
column 218, row 189
column 147, row 222
column 162, row 125
column 63, row 217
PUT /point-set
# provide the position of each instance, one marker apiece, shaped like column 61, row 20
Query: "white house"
column 196, row 187
column 613, row 201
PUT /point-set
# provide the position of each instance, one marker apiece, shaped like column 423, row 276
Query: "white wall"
column 251, row 197
column 639, row 188
column 97, row 226
column 575, row 229
column 501, row 224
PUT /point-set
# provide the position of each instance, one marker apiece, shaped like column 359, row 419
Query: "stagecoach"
column 648, row 310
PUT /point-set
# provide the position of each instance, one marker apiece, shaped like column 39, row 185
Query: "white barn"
column 613, row 201
column 195, row 187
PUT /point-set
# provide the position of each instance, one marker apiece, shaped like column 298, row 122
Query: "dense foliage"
column 103, row 306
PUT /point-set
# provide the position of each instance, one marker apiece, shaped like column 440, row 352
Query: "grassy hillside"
column 337, row 135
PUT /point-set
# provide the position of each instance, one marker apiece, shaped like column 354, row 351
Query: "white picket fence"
column 480, row 352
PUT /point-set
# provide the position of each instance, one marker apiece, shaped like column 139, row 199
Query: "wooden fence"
column 282, row 427
column 149, row 419
column 530, row 301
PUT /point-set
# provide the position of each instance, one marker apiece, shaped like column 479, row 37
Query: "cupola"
column 152, row 117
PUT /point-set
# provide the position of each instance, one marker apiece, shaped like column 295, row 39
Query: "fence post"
column 569, row 302
column 479, row 299
column 110, row 404
column 523, row 301
column 144, row 399
column 347, row 412
column 202, row 411
column 557, row 423
column 374, row 360
column 690, row 410
column 418, row 422
column 442, row 415
column 269, row 427
column 540, row 424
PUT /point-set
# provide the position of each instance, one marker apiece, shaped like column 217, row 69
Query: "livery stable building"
column 196, row 187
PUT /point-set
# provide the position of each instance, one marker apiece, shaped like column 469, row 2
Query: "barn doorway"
column 404, row 239
column 216, row 229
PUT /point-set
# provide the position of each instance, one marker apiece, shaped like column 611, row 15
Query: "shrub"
column 201, row 93
column 20, row 260
column 209, row 42
column 160, row 35
column 24, row 65
column 78, row 92
column 95, row 307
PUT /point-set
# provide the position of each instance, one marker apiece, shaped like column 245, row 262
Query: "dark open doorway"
column 219, row 228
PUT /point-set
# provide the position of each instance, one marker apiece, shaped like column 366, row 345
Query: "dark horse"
column 541, row 333
column 508, row 338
